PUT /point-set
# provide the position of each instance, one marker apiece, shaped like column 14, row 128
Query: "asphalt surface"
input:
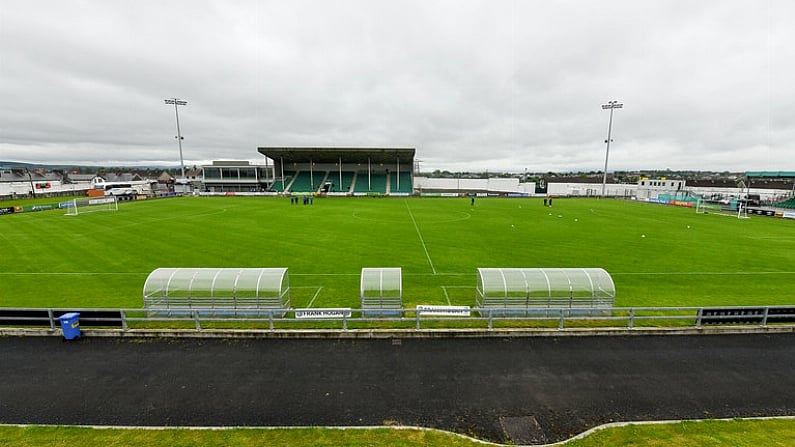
column 523, row 390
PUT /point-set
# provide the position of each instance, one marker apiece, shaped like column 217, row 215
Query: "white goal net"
column 721, row 209
column 82, row 206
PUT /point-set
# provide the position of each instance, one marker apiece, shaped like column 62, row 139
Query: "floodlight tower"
column 178, row 102
column 610, row 105
column 745, row 191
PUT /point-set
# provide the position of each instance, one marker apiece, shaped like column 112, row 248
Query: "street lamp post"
column 610, row 105
column 178, row 102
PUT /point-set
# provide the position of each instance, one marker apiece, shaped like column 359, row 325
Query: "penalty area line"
column 446, row 296
column 312, row 301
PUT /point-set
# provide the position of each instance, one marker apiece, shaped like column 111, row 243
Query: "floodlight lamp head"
column 612, row 105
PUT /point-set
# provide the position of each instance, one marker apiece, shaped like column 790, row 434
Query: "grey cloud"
column 474, row 85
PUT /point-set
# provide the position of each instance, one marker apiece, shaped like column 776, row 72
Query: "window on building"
column 212, row 173
column 229, row 173
column 247, row 174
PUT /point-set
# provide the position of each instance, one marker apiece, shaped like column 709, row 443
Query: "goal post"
column 721, row 209
column 82, row 206
column 706, row 207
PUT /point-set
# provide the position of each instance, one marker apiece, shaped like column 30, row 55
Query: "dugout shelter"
column 381, row 291
column 536, row 290
column 342, row 171
column 217, row 291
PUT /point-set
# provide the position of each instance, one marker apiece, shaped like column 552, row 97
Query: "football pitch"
column 658, row 256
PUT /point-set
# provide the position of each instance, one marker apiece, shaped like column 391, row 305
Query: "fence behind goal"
column 82, row 206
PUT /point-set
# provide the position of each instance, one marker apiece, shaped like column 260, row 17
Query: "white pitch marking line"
column 314, row 297
column 447, row 296
column 422, row 241
column 404, row 274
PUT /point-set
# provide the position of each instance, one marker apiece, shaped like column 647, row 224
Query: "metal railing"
column 405, row 318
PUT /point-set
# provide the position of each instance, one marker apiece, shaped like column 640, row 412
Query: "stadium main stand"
column 358, row 171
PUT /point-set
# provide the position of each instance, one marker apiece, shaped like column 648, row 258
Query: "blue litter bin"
column 70, row 323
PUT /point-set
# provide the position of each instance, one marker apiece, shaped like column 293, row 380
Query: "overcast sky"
column 472, row 85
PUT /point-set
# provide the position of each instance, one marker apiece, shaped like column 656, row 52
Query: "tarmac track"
column 521, row 390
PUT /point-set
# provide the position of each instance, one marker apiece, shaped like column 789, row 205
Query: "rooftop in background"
column 333, row 154
column 771, row 174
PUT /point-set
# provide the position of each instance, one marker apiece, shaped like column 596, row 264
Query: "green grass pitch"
column 657, row 255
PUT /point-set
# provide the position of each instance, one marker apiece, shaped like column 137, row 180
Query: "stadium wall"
column 643, row 192
column 764, row 194
column 650, row 193
column 11, row 190
column 590, row 189
column 507, row 185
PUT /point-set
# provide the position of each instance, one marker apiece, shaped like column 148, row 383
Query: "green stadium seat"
column 305, row 183
column 377, row 183
column 788, row 204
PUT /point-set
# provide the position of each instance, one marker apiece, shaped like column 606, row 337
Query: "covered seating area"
column 342, row 171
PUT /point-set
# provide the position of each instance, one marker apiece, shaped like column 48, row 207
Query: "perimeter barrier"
column 420, row 318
